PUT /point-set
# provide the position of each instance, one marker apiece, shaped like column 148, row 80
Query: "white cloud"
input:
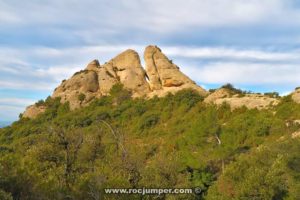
column 57, row 73
column 26, row 85
column 232, row 53
column 21, row 102
column 56, row 64
column 10, row 113
column 245, row 73
column 154, row 15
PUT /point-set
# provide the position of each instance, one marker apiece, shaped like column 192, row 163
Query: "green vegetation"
column 233, row 90
column 173, row 142
column 81, row 97
column 272, row 94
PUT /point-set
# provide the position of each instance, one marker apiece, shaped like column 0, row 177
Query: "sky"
column 253, row 44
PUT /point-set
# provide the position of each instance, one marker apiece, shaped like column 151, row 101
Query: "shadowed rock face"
column 96, row 80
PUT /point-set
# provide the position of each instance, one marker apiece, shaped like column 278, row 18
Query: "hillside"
column 229, row 143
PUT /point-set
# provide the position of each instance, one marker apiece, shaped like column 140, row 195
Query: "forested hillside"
column 177, row 141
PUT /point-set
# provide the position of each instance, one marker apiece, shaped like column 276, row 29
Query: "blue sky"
column 253, row 44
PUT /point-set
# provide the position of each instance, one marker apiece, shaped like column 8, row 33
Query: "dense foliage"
column 172, row 142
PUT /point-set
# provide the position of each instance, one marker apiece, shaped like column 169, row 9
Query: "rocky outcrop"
column 78, row 90
column 33, row 111
column 251, row 101
column 218, row 94
column 128, row 70
column 97, row 80
column 164, row 76
column 160, row 78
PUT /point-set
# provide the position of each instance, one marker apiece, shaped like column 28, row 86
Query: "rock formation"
column 160, row 78
column 218, row 94
column 251, row 101
column 127, row 69
column 33, row 111
column 164, row 76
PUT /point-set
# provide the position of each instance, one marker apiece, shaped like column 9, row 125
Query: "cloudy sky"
column 253, row 44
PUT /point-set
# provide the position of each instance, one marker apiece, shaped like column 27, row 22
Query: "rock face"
column 160, row 78
column 164, row 76
column 82, row 83
column 128, row 70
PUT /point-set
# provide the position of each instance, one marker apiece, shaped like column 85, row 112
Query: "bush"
column 149, row 120
column 81, row 97
column 119, row 93
column 5, row 196
column 272, row 94
column 232, row 88
column 40, row 102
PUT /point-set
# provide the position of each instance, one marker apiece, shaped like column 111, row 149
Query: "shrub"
column 81, row 97
column 272, row 94
column 232, row 88
column 149, row 120
column 5, row 196
column 40, row 102
column 119, row 93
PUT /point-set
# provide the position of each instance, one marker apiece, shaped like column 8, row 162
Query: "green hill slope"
column 173, row 142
